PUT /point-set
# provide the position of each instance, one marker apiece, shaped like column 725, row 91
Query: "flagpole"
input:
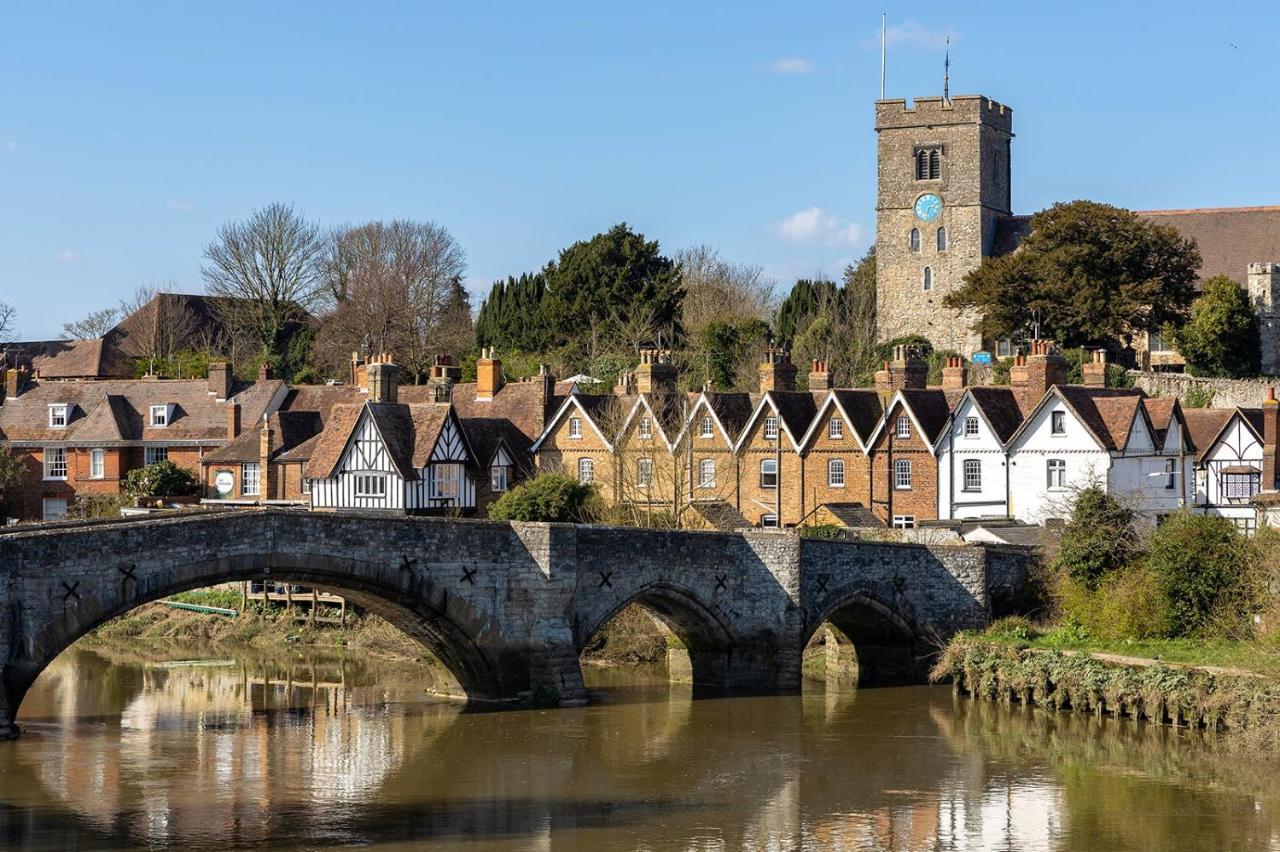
column 883, row 17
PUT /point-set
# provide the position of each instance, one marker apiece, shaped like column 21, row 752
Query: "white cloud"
column 67, row 256
column 180, row 206
column 815, row 226
column 791, row 65
column 912, row 33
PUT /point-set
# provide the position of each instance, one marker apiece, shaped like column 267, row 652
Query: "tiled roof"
column 1204, row 425
column 409, row 432
column 1160, row 412
column 733, row 410
column 525, row 404
column 931, row 408
column 197, row 416
column 797, row 409
column 1107, row 412
column 61, row 359
column 864, row 409
column 333, row 440
column 1000, row 406
column 290, row 431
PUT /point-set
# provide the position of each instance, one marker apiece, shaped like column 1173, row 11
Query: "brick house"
column 837, row 472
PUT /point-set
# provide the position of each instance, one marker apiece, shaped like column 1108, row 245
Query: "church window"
column 922, row 165
column 935, row 164
column 942, row 239
column 928, row 278
column 915, row 240
column 928, row 163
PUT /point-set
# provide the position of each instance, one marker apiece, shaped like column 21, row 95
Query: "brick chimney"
column 907, row 370
column 548, row 383
column 489, row 378
column 233, row 421
column 777, row 373
column 820, row 376
column 15, row 382
column 443, row 370
column 266, row 480
column 1095, row 370
column 1032, row 376
column 1270, row 435
column 626, row 385
column 955, row 375
column 655, row 373
column 264, row 373
column 220, row 379
column 382, row 379
column 357, row 377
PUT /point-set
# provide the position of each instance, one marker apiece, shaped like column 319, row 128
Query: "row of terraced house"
column 899, row 454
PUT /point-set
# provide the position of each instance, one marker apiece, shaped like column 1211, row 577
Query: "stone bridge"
column 508, row 607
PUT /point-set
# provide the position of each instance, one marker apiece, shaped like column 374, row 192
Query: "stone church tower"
column 944, row 186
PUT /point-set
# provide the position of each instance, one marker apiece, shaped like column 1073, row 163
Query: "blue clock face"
column 928, row 207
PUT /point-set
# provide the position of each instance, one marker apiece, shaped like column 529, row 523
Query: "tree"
column 267, row 269
column 1098, row 540
column 8, row 322
column 159, row 479
column 610, row 276
column 841, row 329
column 13, row 474
column 1221, row 339
column 808, row 298
column 509, row 318
column 1087, row 273
column 720, row 291
column 93, row 326
column 551, row 497
column 1202, row 566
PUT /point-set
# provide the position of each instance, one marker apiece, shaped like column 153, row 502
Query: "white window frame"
column 773, row 472
column 306, row 482
column 902, row 428
column 159, row 418
column 55, row 463
column 835, row 429
column 575, row 428
column 97, row 464
column 972, row 471
column 971, row 426
column 771, row 428
column 371, row 485
column 708, row 428
column 59, row 415
column 499, row 478
column 902, row 475
column 1241, row 486
column 152, row 455
column 644, row 473
column 646, row 428
column 251, row 479
column 835, row 473
column 904, row 522
column 1055, row 469
column 44, row 508
column 1058, row 422
column 768, row 521
column 445, row 482
column 707, row 473
column 586, row 470
column 1170, row 473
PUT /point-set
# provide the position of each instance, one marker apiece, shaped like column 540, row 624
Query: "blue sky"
column 129, row 132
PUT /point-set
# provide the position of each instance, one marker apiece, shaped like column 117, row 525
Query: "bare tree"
column 720, row 290
column 267, row 270
column 157, row 323
column 93, row 326
column 8, row 322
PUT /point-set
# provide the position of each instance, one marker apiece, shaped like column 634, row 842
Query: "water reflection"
column 122, row 751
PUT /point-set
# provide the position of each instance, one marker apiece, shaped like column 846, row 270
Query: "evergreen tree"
column 806, row 300
column 1221, row 339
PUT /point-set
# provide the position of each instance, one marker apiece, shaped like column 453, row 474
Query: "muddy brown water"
column 186, row 749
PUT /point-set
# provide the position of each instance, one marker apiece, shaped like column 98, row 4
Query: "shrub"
column 93, row 506
column 1127, row 605
column 1203, row 568
column 161, row 479
column 1198, row 396
column 828, row 531
column 546, row 497
column 1098, row 540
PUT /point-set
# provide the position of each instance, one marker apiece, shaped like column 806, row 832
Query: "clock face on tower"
column 928, row 207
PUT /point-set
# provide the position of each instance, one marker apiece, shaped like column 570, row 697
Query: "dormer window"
column 159, row 415
column 59, row 413
column 575, row 427
column 928, row 163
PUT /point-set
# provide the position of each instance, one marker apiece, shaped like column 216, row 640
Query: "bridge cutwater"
column 508, row 607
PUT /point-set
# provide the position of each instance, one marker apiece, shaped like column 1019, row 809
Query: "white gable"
column 449, row 446
column 1140, row 437
column 501, row 458
column 366, row 452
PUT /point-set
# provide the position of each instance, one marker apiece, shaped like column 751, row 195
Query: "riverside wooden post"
column 315, row 602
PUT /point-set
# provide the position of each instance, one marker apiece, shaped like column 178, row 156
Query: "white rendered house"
column 973, row 467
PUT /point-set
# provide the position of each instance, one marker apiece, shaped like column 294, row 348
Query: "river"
column 124, row 750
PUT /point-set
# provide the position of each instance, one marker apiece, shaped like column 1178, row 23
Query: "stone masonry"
column 507, row 607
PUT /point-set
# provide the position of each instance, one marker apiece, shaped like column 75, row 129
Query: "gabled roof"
column 293, row 436
column 668, row 412
column 999, row 407
column 861, row 409
column 1119, row 416
column 408, row 431
column 728, row 411
column 1107, row 414
column 61, row 359
column 1161, row 412
column 928, row 408
column 795, row 411
column 1205, row 426
column 590, row 406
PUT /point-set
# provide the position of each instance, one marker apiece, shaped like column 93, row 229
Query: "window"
column 1155, row 342
column 499, row 476
column 251, row 480
column 446, row 480
column 97, row 464
column 1246, row 526
column 935, row 164
column 926, row 279
column 644, row 473
column 972, row 475
column 1170, row 471
column 646, row 428
column 706, row 431
column 55, row 509
column 371, row 485
column 1057, row 473
column 769, row 521
column 707, row 473
column 928, row 163
column 159, row 415
column 902, row 474
column 55, row 463
column 302, row 474
column 771, row 428
column 942, row 239
column 914, row 240
column 835, row 473
column 904, row 522
column 586, row 471
column 575, row 427
column 903, row 427
column 835, row 429
column 769, row 473
column 971, row 427
column 1058, row 422
column 1240, row 485
column 58, row 416
column 151, row 455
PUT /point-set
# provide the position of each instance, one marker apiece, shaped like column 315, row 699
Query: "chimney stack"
column 357, row 377
column 1270, row 435
column 220, row 379
column 777, row 373
column 1095, row 370
column 15, row 382
column 955, row 375
column 907, row 371
column 382, row 379
column 655, row 373
column 489, row 378
column 443, row 370
column 233, row 421
column 1033, row 375
column 264, row 373
column 265, row 479
column 820, row 376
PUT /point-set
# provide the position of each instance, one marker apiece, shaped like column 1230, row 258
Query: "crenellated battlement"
column 960, row 109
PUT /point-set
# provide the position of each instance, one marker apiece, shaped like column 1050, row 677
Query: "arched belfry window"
column 928, row 162
column 927, row 278
column 935, row 164
column 922, row 165
column 915, row 239
column 942, row 239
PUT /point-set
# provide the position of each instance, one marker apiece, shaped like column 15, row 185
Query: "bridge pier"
column 553, row 662
column 9, row 729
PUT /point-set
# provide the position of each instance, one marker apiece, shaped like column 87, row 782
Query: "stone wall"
column 1227, row 393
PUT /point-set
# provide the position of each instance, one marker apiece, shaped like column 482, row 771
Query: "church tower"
column 943, row 186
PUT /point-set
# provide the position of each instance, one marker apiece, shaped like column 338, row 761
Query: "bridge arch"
column 883, row 641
